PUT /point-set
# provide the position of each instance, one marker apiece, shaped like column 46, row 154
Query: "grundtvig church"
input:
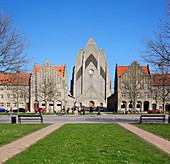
column 90, row 84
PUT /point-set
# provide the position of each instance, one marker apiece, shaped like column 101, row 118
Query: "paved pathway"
column 11, row 149
column 160, row 143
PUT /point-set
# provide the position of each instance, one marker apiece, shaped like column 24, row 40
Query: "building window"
column 43, row 95
column 1, row 104
column 43, row 85
column 21, row 96
column 154, row 97
column 146, row 86
column 21, row 104
column 139, row 86
column 8, row 104
column 58, row 93
column 8, row 96
column 1, row 88
column 27, row 96
column 160, row 97
column 123, row 86
column 138, row 95
column 131, row 95
column 14, row 104
column 8, row 88
column 14, row 96
column 160, row 107
column 58, row 85
column 1, row 96
column 146, row 95
column 123, row 95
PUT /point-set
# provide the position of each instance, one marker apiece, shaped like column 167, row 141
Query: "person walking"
column 83, row 110
column 91, row 110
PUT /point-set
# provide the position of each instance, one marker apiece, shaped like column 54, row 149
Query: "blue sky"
column 57, row 29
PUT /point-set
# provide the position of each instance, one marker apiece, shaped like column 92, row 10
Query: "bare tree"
column 157, row 48
column 47, row 90
column 12, row 45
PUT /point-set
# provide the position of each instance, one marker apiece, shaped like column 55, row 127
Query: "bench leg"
column 19, row 120
column 140, row 119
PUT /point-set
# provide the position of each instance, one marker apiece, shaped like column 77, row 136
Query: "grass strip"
column 162, row 130
column 11, row 132
column 91, row 143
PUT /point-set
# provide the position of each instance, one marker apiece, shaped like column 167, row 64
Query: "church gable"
column 91, row 94
column 91, row 75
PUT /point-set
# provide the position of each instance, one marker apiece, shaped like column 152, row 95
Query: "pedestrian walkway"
column 11, row 149
column 160, row 143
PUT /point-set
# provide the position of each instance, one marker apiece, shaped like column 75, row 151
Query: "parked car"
column 40, row 110
column 155, row 111
column 20, row 110
column 2, row 110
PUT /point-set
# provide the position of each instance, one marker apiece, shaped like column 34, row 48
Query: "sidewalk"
column 11, row 149
column 160, row 143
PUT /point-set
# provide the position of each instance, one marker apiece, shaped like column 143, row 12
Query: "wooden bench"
column 30, row 117
column 152, row 116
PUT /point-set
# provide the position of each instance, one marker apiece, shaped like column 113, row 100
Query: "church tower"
column 91, row 77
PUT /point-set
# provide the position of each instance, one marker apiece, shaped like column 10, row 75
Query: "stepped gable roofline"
column 60, row 69
column 90, row 43
column 122, row 69
column 15, row 78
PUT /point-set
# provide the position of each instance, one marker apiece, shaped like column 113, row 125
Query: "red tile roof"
column 15, row 78
column 36, row 69
column 122, row 69
column 160, row 79
column 60, row 69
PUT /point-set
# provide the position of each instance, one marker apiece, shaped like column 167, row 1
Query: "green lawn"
column 11, row 132
column 162, row 130
column 91, row 143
